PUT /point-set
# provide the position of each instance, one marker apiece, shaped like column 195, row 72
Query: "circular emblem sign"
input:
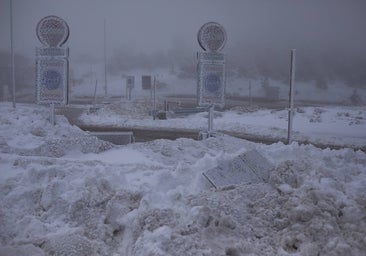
column 51, row 79
column 52, row 31
column 213, row 83
column 212, row 37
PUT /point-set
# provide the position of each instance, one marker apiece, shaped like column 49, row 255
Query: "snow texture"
column 79, row 200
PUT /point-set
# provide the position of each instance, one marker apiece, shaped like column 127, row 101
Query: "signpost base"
column 210, row 131
column 210, row 118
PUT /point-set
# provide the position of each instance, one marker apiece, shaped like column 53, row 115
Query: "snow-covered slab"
column 248, row 168
column 257, row 163
column 117, row 138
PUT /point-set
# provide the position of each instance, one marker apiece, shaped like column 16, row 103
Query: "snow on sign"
column 52, row 52
column 247, row 168
column 52, row 31
column 212, row 37
column 52, row 85
column 52, row 61
column 211, row 65
column 211, row 79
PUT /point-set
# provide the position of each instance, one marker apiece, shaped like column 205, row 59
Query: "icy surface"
column 83, row 197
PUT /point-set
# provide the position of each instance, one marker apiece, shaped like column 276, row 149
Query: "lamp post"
column 12, row 53
column 105, row 60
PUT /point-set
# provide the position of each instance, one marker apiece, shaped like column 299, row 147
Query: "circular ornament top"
column 212, row 37
column 52, row 31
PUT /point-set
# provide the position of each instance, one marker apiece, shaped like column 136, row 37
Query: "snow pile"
column 28, row 132
column 152, row 199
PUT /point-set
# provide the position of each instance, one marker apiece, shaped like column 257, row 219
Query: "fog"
column 329, row 35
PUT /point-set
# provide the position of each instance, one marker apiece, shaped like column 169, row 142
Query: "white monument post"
column 52, row 63
column 211, row 69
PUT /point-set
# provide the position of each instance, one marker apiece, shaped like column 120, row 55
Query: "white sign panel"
column 211, row 79
column 51, row 61
column 52, row 80
column 52, row 52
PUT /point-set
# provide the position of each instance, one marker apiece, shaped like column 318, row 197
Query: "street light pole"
column 12, row 53
column 291, row 97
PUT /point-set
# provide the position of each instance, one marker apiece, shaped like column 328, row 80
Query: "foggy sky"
column 158, row 25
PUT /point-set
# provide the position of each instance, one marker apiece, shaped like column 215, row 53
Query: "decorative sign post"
column 52, row 62
column 211, row 69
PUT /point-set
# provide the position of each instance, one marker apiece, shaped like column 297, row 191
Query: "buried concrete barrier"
column 117, row 138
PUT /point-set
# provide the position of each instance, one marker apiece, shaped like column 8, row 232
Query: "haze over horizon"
column 258, row 31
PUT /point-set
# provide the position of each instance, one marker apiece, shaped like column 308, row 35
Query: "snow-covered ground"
column 64, row 192
column 338, row 126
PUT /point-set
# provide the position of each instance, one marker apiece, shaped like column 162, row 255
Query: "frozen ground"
column 63, row 192
column 339, row 126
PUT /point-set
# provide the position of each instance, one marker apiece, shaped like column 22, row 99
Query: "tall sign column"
column 52, row 63
column 211, row 69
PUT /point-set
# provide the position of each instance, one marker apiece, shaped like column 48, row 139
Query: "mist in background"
column 329, row 36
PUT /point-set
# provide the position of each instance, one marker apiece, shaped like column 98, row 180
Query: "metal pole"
column 154, row 102
column 105, row 62
column 291, row 97
column 126, row 91
column 95, row 93
column 250, row 93
column 122, row 88
column 12, row 52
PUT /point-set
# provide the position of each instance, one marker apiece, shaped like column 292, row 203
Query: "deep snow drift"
column 63, row 192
